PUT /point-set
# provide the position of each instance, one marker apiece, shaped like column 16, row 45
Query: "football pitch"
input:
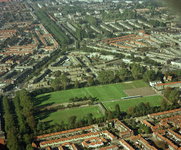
column 64, row 115
column 125, row 104
column 101, row 93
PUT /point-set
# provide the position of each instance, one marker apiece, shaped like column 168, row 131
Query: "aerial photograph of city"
column 90, row 74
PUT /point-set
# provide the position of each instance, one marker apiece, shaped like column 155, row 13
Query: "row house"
column 162, row 86
column 86, row 59
column 121, row 46
column 38, row 85
column 124, row 131
column 106, row 28
column 135, row 24
column 93, row 142
column 3, row 73
column 145, row 23
column 58, row 61
column 126, row 145
column 150, row 41
column 174, row 134
column 141, row 10
column 162, row 114
column 75, row 138
column 109, row 22
column 147, row 123
column 126, row 37
column 140, row 44
column 62, row 133
column 116, row 27
column 161, row 8
column 71, row 26
column 67, row 145
column 169, row 143
column 109, row 135
column 114, row 147
column 6, row 87
column 146, row 145
column 125, row 25
column 96, row 29
column 75, row 60
column 113, row 61
column 4, row 34
column 65, row 68
column 5, row 58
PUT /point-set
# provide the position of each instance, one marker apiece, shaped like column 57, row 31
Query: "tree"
column 57, row 73
column 29, row 147
column 139, row 131
column 147, row 104
column 77, row 45
column 72, row 120
column 147, row 130
column 12, row 141
column 90, row 81
column 110, row 76
column 89, row 117
column 149, row 75
column 56, row 83
column 105, row 76
column 6, row 104
column 102, row 77
column 131, row 110
column 76, row 84
column 134, row 126
column 108, row 114
column 31, row 122
column 117, row 108
column 123, row 65
column 123, row 73
column 64, row 80
column 27, row 138
column 167, row 92
column 137, row 71
column 39, row 125
column 174, row 95
column 163, row 104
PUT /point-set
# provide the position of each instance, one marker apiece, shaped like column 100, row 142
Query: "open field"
column 64, row 115
column 101, row 93
column 144, row 91
column 125, row 104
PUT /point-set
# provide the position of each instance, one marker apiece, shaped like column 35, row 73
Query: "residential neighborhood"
column 90, row 74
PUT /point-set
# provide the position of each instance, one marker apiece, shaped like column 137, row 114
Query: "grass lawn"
column 58, row 97
column 64, row 115
column 101, row 93
column 106, row 92
column 134, row 84
column 125, row 104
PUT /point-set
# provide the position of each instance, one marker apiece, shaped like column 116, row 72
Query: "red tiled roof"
column 160, row 84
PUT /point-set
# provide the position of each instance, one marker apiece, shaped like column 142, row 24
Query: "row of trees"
column 145, row 108
column 25, row 119
column 147, row 60
column 139, row 110
column 60, row 81
column 60, row 36
column 136, row 72
column 127, row 14
column 74, row 122
column 19, row 124
column 172, row 94
column 10, row 126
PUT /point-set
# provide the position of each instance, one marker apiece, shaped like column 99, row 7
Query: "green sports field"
column 125, row 104
column 101, row 93
column 64, row 115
